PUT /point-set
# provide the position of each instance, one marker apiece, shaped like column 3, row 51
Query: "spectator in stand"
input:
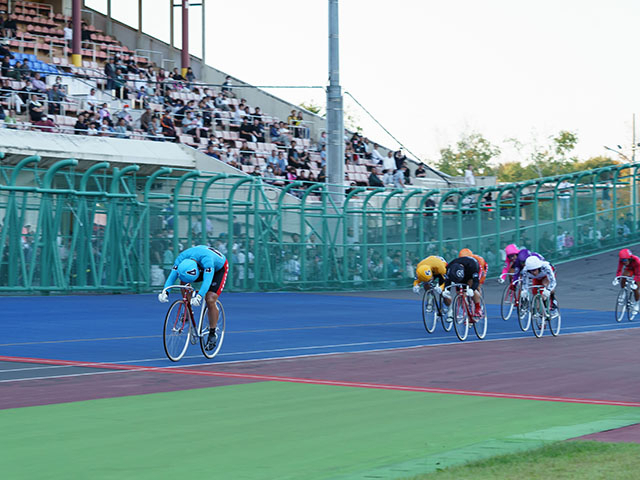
column 85, row 32
column 282, row 164
column 293, row 157
column 190, row 77
column 246, row 153
column 374, row 179
column 192, row 125
column 55, row 97
column 246, row 130
column 375, row 155
column 269, row 174
column 3, row 114
column 36, row 109
column 145, row 119
column 407, row 174
column 220, row 102
column 256, row 171
column 106, row 130
column 304, row 131
column 110, row 72
column 26, row 68
column 91, row 101
column 389, row 163
column 258, row 131
column 5, row 66
column 168, row 128
column 81, row 126
column 399, row 158
column 398, row 178
column 10, row 28
column 125, row 114
column 368, row 148
column 322, row 176
column 387, row 178
column 38, row 84
column 11, row 120
column 322, row 142
column 68, row 35
column 104, row 112
column 121, row 129
column 120, row 85
column 421, row 171
column 155, row 130
column 93, row 129
column 290, row 173
column 226, row 87
column 45, row 124
column 212, row 152
column 257, row 114
column 15, row 72
column 305, row 160
column 274, row 132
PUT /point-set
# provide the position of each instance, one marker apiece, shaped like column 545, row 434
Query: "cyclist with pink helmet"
column 629, row 266
column 512, row 254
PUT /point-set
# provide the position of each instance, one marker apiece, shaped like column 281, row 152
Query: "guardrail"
column 108, row 229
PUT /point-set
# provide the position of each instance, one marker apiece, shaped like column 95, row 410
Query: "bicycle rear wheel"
column 460, row 317
column 177, row 327
column 538, row 315
column 429, row 311
column 204, row 331
column 480, row 324
column 524, row 313
column 508, row 302
column 621, row 304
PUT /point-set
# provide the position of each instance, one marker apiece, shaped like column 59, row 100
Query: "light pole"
column 620, row 153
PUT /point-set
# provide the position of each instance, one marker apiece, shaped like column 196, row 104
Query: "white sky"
column 431, row 70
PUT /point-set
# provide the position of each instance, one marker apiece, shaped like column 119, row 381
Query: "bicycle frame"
column 187, row 291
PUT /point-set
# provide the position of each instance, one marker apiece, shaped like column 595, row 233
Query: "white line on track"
column 287, row 357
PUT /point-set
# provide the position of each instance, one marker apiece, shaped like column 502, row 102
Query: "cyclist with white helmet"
column 538, row 271
column 209, row 266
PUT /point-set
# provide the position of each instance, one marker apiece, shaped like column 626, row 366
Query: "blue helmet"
column 188, row 270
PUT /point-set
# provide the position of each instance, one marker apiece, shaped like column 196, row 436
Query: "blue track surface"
column 128, row 328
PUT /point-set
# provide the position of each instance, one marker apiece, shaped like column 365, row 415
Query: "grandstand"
column 149, row 145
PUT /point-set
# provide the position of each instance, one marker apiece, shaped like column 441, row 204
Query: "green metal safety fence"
column 109, row 229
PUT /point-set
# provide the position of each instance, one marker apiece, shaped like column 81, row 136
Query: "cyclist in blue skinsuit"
column 209, row 266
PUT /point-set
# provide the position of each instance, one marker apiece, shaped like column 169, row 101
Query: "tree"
column 472, row 149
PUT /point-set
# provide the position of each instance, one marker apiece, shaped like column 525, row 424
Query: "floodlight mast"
column 335, row 127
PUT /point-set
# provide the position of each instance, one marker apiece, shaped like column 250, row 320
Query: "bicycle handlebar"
column 185, row 287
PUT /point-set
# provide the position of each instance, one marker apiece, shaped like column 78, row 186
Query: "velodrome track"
column 308, row 385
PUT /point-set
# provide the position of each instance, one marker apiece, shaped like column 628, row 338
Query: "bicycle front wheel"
column 538, row 315
column 555, row 322
column 621, row 304
column 508, row 302
column 480, row 324
column 204, row 331
column 429, row 311
column 177, row 326
column 460, row 317
column 524, row 313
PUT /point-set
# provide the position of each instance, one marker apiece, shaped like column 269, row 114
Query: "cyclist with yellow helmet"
column 431, row 268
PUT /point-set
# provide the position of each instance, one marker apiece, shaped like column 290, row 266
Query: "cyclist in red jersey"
column 629, row 265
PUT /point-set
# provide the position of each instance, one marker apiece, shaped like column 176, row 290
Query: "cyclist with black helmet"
column 201, row 264
column 629, row 266
column 463, row 270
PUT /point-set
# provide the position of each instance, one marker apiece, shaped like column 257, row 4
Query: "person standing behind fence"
column 564, row 195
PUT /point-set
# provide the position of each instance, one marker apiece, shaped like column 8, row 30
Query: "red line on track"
column 337, row 383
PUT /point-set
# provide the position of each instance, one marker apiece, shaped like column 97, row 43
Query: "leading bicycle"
column 181, row 328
